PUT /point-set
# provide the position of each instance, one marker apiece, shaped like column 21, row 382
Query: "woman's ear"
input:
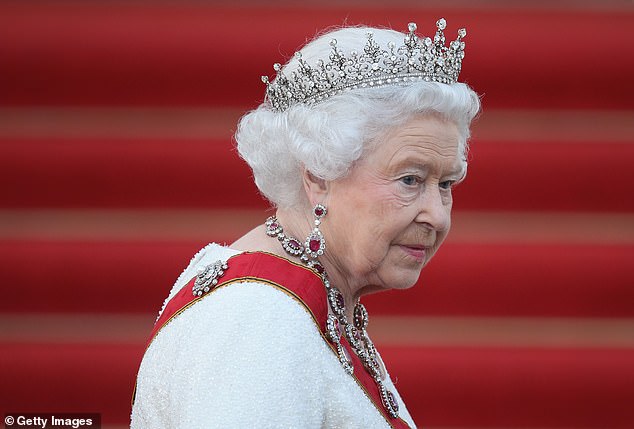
column 316, row 188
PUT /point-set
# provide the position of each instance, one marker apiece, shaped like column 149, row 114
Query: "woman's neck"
column 298, row 224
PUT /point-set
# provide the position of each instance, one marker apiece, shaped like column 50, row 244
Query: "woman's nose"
column 434, row 210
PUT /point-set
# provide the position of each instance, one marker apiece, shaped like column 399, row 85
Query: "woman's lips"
column 418, row 252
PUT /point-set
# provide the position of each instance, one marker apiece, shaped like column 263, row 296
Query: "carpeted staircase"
column 117, row 164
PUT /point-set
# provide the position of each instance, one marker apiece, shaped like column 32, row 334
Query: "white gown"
column 247, row 356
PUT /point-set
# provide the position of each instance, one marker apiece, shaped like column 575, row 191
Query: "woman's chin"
column 404, row 278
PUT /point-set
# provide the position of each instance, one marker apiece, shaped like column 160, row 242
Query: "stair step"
column 504, row 279
column 115, row 133
column 102, row 53
column 516, row 279
column 196, row 173
column 81, row 378
column 515, row 387
column 226, row 225
column 219, row 123
column 443, row 386
column 387, row 330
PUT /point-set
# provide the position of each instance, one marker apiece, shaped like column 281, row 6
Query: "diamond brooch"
column 207, row 279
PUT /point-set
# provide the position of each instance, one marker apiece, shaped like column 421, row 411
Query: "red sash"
column 299, row 282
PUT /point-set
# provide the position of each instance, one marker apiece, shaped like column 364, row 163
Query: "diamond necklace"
column 337, row 322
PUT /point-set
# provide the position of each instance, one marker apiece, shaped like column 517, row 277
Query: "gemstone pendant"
column 315, row 244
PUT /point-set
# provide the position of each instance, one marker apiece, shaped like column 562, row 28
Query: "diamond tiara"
column 416, row 59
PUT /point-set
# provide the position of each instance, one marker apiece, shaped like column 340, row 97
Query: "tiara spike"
column 416, row 59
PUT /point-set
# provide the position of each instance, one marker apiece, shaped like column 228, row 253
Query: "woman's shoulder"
column 211, row 252
column 245, row 342
column 205, row 256
column 251, row 306
column 247, row 298
column 245, row 309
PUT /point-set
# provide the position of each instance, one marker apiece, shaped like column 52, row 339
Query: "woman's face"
column 390, row 214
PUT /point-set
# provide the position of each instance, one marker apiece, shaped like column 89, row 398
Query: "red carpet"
column 126, row 109
column 442, row 386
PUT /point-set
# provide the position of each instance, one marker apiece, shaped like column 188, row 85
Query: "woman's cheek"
column 403, row 197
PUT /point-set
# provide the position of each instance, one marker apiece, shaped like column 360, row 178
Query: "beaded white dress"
column 249, row 356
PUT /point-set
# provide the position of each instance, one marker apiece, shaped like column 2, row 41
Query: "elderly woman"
column 358, row 144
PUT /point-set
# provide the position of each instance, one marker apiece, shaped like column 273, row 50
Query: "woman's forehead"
column 422, row 137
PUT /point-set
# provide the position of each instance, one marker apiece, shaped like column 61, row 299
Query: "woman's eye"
column 409, row 180
column 447, row 184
